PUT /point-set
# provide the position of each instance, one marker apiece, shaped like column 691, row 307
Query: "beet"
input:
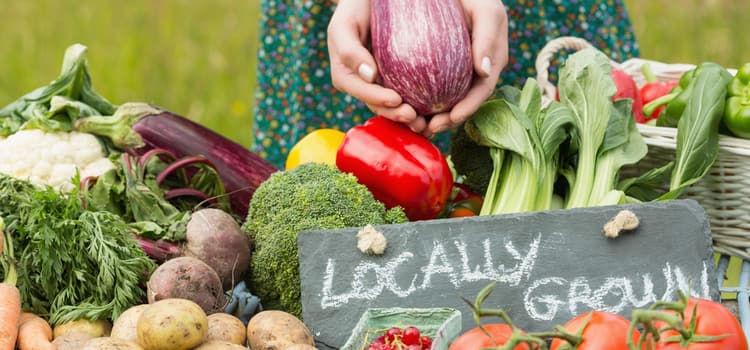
column 423, row 51
column 187, row 278
column 215, row 238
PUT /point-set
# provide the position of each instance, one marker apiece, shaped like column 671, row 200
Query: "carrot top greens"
column 71, row 263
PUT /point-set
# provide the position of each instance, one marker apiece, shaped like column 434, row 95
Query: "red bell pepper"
column 626, row 88
column 652, row 90
column 399, row 167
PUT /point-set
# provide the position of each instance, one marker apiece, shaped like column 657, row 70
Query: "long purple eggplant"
column 138, row 127
column 423, row 51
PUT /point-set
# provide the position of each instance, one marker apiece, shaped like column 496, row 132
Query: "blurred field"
column 197, row 57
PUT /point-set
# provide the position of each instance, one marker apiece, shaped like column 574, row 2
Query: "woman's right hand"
column 353, row 69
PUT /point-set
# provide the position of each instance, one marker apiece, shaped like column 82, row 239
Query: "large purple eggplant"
column 423, row 51
column 139, row 127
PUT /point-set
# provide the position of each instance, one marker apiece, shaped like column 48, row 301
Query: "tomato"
column 604, row 330
column 475, row 339
column 712, row 319
column 464, row 203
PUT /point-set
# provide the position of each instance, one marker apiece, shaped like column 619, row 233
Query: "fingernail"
column 366, row 72
column 486, row 65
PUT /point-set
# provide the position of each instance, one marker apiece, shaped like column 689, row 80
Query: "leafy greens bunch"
column 572, row 153
column 71, row 263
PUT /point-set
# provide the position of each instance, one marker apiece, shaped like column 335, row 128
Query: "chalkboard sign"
column 549, row 266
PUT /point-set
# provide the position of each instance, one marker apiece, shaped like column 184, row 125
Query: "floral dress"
column 294, row 95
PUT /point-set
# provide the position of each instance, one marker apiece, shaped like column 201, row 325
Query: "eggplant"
column 423, row 51
column 138, row 128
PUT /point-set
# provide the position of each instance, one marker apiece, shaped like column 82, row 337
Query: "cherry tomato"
column 604, row 330
column 475, row 339
column 411, row 336
column 712, row 319
column 464, row 203
column 460, row 212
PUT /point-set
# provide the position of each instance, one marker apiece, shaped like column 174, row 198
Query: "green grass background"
column 197, row 57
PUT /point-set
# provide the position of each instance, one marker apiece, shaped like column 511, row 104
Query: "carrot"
column 10, row 301
column 34, row 333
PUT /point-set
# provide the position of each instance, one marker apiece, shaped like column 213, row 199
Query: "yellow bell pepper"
column 319, row 146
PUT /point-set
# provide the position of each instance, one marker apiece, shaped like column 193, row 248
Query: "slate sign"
column 549, row 266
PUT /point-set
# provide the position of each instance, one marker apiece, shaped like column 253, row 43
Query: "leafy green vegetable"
column 523, row 143
column 697, row 138
column 155, row 192
column 698, row 128
column 586, row 87
column 311, row 196
column 71, row 263
column 55, row 107
column 622, row 145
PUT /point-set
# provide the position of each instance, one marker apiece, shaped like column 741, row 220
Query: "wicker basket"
column 724, row 192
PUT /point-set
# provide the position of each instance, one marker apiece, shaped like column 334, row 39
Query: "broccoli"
column 311, row 196
column 471, row 161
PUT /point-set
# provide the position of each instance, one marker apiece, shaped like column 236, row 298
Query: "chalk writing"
column 543, row 298
column 439, row 264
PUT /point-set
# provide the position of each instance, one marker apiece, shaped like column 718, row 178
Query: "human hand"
column 488, row 25
column 353, row 69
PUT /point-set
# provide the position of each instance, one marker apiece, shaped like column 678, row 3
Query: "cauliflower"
column 52, row 158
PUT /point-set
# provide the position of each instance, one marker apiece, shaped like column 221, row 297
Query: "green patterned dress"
column 294, row 94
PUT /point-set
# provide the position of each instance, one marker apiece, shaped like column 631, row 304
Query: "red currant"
column 414, row 347
column 392, row 334
column 411, row 335
column 379, row 346
column 426, row 342
column 379, row 340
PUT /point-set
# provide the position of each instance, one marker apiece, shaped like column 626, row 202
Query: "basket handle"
column 544, row 57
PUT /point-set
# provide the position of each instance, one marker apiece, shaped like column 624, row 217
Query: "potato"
column 220, row 345
column 107, row 343
column 276, row 330
column 124, row 326
column 98, row 328
column 225, row 327
column 172, row 324
column 71, row 341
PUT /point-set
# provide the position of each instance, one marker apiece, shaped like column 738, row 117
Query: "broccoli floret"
column 471, row 160
column 311, row 196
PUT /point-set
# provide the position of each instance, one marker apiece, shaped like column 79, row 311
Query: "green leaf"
column 73, row 84
column 586, row 88
column 500, row 124
column 698, row 128
column 649, row 185
column 626, row 146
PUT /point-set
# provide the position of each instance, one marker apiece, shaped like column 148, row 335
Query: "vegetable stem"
column 118, row 127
